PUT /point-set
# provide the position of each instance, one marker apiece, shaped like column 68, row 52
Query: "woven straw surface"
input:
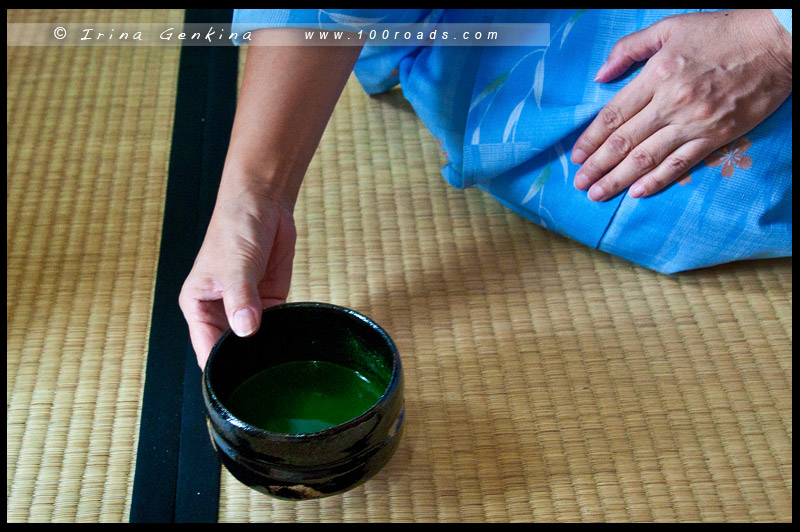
column 544, row 380
column 89, row 132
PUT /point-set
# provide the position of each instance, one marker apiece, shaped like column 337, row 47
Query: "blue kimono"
column 508, row 116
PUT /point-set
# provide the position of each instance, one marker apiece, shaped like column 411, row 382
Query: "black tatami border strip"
column 177, row 472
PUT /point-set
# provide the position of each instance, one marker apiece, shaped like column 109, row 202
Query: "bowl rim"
column 215, row 403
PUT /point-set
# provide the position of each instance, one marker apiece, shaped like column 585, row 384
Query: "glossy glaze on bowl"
column 318, row 464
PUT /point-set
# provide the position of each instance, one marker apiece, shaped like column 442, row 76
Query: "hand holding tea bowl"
column 309, row 406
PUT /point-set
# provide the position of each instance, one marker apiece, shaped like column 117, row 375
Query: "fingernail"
column 578, row 156
column 596, row 193
column 601, row 71
column 244, row 322
column 581, row 182
column 637, row 191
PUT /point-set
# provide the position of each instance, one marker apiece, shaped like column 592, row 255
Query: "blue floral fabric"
column 507, row 118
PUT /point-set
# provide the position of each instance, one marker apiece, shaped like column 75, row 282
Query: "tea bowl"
column 304, row 464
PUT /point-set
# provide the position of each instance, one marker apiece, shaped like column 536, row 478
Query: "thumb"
column 242, row 304
column 638, row 46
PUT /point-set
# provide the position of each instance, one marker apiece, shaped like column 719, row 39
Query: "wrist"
column 775, row 38
column 278, row 183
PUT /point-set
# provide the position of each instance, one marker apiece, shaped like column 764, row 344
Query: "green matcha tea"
column 303, row 396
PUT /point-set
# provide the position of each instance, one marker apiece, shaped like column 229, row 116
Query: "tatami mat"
column 544, row 381
column 89, row 134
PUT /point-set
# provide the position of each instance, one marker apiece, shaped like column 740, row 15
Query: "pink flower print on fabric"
column 731, row 157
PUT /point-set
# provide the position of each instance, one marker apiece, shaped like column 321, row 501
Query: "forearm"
column 288, row 94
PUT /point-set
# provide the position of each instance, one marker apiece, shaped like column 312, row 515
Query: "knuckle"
column 591, row 170
column 612, row 184
column 662, row 71
column 183, row 304
column 727, row 129
column 658, row 181
column 684, row 94
column 586, row 144
column 233, row 286
column 619, row 144
column 704, row 110
column 676, row 164
column 184, row 297
column 643, row 159
column 592, row 142
column 611, row 117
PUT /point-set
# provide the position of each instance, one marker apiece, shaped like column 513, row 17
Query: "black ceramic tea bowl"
column 312, row 464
